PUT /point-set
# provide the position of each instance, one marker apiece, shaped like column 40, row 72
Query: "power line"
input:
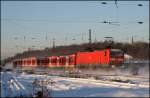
column 81, row 4
column 52, row 21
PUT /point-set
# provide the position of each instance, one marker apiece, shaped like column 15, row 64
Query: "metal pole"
column 132, row 40
column 53, row 42
column 90, row 40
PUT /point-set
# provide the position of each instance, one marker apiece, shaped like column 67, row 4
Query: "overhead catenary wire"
column 94, row 3
column 52, row 21
column 31, row 20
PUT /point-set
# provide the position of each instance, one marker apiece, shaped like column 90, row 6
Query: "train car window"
column 38, row 62
column 60, row 60
column 43, row 62
column 49, row 61
column 64, row 60
column 105, row 53
column 24, row 62
column 55, row 60
column 69, row 60
column 52, row 60
column 33, row 62
column 46, row 60
column 30, row 62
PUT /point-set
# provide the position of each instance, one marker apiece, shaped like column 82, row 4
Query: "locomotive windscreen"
column 116, row 53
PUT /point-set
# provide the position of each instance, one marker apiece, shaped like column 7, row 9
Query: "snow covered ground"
column 21, row 84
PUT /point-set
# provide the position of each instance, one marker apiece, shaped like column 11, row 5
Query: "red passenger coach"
column 55, row 61
column 25, row 62
column 29, row 62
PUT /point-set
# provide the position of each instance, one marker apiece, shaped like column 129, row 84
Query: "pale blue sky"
column 63, row 19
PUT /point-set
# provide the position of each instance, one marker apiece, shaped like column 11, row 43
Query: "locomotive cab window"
column 116, row 53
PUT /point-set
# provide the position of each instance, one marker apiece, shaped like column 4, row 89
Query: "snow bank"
column 76, row 87
column 8, row 66
column 127, row 57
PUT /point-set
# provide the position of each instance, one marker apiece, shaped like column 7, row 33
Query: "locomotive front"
column 116, row 57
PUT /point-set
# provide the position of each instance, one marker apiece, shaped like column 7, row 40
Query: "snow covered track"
column 11, row 87
column 107, row 83
column 77, row 87
column 15, row 87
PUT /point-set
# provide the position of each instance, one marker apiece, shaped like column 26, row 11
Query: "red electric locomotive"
column 100, row 58
column 104, row 57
